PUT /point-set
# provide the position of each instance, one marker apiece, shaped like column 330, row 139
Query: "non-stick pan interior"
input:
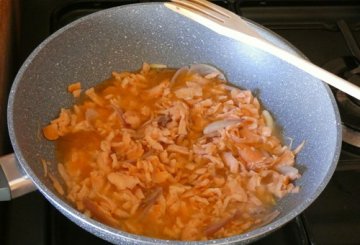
column 121, row 39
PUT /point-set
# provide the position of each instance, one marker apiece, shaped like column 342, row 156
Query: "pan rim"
column 114, row 235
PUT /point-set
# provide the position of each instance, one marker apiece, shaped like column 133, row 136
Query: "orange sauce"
column 144, row 186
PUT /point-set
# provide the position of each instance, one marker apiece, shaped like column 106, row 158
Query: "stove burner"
column 355, row 79
column 349, row 107
column 351, row 136
column 348, row 68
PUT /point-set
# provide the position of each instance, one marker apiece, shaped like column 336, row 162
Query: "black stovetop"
column 312, row 26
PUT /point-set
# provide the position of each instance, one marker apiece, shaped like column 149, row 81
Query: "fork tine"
column 191, row 5
column 202, row 18
column 224, row 12
column 236, row 21
column 190, row 9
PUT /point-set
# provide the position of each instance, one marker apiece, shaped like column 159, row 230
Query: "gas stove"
column 327, row 32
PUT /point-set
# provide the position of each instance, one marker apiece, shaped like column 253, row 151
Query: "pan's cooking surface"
column 57, row 219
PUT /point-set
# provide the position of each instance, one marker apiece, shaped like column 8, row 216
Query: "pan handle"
column 13, row 180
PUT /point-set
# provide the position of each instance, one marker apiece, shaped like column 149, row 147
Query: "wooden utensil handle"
column 298, row 62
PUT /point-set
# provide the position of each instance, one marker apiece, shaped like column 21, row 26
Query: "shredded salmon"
column 185, row 158
column 74, row 86
column 75, row 89
column 45, row 167
column 51, row 132
column 58, row 187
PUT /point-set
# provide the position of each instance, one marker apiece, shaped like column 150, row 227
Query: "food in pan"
column 172, row 154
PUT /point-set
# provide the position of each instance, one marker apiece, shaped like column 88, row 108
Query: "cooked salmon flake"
column 186, row 158
column 51, row 132
column 74, row 86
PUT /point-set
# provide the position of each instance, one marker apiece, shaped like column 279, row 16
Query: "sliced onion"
column 217, row 125
column 231, row 162
column 270, row 217
column 230, row 88
column 268, row 119
column 178, row 73
column 158, row 66
column 289, row 171
column 299, row 148
column 149, row 201
column 204, row 69
column 213, row 228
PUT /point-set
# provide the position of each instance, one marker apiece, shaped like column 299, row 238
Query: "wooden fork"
column 226, row 23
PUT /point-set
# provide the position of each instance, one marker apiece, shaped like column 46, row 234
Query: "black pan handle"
column 13, row 180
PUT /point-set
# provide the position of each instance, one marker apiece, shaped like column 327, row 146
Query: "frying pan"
column 121, row 38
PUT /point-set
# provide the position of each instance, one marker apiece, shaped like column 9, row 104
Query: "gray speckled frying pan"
column 124, row 37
